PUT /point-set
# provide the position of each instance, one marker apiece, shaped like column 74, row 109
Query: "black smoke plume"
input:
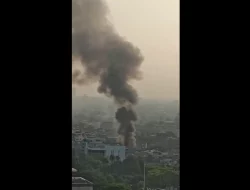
column 105, row 56
column 125, row 116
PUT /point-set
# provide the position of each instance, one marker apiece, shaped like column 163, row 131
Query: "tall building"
column 177, row 123
column 177, row 120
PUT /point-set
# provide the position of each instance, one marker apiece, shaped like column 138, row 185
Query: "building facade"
column 107, row 151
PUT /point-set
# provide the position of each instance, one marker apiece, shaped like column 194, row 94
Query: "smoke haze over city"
column 125, row 95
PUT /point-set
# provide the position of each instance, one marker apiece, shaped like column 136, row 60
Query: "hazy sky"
column 153, row 26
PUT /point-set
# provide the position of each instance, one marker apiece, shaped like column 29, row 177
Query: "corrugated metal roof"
column 80, row 180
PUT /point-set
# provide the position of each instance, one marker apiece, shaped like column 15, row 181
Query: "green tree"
column 117, row 186
column 138, row 186
column 95, row 176
column 110, row 178
column 160, row 177
column 131, row 165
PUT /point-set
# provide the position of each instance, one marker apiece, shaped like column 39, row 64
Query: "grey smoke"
column 106, row 57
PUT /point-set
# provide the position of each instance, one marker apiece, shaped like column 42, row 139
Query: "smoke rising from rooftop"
column 105, row 56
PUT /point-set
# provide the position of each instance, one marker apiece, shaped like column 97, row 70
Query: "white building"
column 101, row 149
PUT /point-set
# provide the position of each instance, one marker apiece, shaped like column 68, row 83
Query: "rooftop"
column 79, row 181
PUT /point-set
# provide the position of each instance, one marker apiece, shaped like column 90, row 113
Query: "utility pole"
column 144, row 176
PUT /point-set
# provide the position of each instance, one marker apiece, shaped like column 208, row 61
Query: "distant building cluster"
column 94, row 133
column 156, row 156
column 79, row 183
column 157, row 144
column 96, row 146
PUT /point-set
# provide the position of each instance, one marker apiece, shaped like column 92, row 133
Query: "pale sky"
column 153, row 26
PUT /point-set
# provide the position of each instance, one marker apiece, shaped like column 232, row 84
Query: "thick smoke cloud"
column 125, row 116
column 105, row 56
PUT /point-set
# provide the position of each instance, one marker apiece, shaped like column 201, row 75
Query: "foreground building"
column 79, row 183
